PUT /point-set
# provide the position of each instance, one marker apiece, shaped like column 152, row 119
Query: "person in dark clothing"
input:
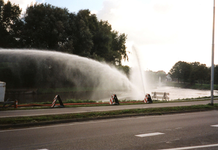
column 149, row 99
column 116, row 100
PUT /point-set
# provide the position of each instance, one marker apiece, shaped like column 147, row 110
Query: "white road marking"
column 214, row 125
column 193, row 147
column 149, row 134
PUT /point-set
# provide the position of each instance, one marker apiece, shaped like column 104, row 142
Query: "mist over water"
column 53, row 69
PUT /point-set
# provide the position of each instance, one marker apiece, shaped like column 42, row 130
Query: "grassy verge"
column 35, row 120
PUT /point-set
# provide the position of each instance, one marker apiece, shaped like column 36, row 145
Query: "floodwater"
column 174, row 93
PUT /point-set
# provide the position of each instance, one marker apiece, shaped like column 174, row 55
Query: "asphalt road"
column 198, row 130
column 53, row 111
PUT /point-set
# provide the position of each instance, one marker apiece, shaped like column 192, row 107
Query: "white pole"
column 212, row 62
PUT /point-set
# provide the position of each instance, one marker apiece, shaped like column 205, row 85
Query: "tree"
column 10, row 24
column 48, row 27
column 199, row 73
column 215, row 74
column 109, row 45
column 84, row 35
column 161, row 75
column 181, row 70
column 194, row 72
column 45, row 26
column 118, row 48
column 102, row 41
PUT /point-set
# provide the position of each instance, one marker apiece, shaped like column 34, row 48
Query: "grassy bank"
column 36, row 120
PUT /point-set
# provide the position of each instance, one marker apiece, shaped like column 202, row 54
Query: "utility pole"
column 212, row 62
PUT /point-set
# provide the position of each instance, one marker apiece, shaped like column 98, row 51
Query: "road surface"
column 198, row 130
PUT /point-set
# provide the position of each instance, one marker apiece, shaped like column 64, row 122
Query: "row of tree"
column 194, row 72
column 44, row 26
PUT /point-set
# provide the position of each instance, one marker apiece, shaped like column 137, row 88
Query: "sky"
column 163, row 31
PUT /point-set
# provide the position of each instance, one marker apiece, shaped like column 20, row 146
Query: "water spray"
column 51, row 69
column 140, row 69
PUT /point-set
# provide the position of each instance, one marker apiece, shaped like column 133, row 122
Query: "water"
column 137, row 76
column 51, row 69
column 82, row 95
column 80, row 71
column 182, row 93
column 137, row 71
column 175, row 93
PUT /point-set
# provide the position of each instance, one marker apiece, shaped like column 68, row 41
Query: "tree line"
column 193, row 72
column 44, row 26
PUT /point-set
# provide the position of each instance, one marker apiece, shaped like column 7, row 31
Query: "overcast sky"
column 163, row 31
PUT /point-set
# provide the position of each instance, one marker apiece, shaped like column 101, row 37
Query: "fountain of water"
column 160, row 81
column 52, row 69
column 56, row 68
column 137, row 75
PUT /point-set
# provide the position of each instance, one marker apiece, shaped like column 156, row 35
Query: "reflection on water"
column 175, row 93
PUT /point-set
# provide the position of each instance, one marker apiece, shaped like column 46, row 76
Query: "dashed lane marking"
column 149, row 134
column 215, row 125
column 193, row 147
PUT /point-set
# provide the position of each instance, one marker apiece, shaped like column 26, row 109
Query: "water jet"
column 137, row 75
column 51, row 69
